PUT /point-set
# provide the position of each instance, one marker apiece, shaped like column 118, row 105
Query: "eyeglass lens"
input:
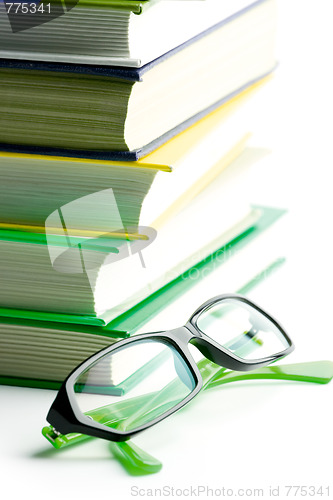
column 134, row 385
column 242, row 329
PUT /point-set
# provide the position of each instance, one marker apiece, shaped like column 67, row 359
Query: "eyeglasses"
column 134, row 384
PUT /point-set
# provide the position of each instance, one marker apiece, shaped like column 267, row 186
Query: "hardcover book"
column 108, row 32
column 119, row 113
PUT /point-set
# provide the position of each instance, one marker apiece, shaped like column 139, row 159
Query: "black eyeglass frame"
column 66, row 417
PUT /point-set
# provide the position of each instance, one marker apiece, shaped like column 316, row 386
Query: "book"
column 116, row 33
column 116, row 113
column 39, row 349
column 148, row 192
column 102, row 276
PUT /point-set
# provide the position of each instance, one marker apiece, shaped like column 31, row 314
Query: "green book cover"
column 135, row 6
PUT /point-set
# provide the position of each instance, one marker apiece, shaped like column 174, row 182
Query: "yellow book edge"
column 84, row 233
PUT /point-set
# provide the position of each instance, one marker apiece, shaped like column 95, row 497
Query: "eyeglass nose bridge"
column 183, row 334
column 217, row 354
column 189, row 334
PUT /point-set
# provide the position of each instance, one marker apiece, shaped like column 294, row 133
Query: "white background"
column 250, row 435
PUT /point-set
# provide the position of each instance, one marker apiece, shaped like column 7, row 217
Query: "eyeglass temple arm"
column 136, row 459
column 318, row 372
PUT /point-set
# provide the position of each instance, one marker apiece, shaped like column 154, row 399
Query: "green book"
column 39, row 349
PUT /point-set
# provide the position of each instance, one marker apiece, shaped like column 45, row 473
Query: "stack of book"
column 123, row 128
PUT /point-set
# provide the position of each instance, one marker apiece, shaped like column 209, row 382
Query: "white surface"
column 245, row 436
